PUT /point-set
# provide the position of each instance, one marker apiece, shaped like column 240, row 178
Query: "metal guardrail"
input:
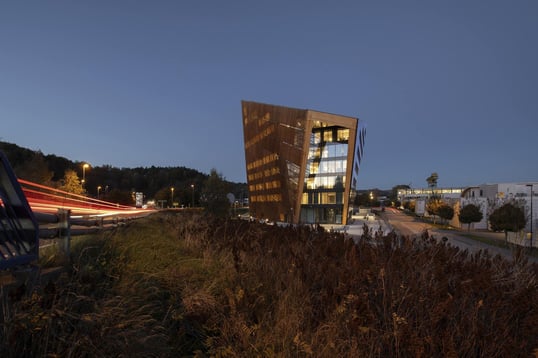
column 21, row 227
column 19, row 232
column 62, row 226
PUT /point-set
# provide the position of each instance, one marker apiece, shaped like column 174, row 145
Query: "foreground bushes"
column 174, row 285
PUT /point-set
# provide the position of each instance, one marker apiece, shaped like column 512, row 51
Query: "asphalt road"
column 407, row 225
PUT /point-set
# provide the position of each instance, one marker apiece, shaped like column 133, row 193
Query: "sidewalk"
column 355, row 228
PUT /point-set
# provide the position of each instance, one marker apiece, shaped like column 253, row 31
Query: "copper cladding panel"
column 274, row 151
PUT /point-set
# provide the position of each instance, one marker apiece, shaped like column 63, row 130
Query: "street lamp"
column 192, row 187
column 98, row 190
column 530, row 185
column 86, row 165
column 172, row 190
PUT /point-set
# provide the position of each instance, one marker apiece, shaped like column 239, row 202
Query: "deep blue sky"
column 444, row 86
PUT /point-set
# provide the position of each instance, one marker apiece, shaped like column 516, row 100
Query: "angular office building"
column 302, row 165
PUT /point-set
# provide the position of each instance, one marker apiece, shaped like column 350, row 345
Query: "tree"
column 121, row 197
column 432, row 180
column 433, row 205
column 35, row 170
column 470, row 213
column 213, row 197
column 71, row 183
column 445, row 212
column 508, row 217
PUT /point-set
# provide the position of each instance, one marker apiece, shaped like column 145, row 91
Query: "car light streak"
column 44, row 199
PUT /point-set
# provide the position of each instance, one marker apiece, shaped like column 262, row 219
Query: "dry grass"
column 174, row 285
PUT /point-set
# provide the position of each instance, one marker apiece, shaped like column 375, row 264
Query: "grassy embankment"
column 174, row 285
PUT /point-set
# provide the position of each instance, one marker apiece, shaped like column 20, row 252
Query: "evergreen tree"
column 213, row 197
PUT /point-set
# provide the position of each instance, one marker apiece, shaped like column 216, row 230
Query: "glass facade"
column 325, row 175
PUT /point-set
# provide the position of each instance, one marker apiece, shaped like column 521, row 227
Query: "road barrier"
column 63, row 226
column 31, row 211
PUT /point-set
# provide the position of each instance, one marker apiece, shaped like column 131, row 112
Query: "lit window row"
column 266, row 132
column 328, row 151
column 246, row 120
column 327, row 167
column 322, row 198
column 265, row 160
column 266, row 173
column 275, row 184
column 326, row 182
column 330, row 135
column 271, row 198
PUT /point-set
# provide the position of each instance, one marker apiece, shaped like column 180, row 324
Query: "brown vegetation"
column 173, row 284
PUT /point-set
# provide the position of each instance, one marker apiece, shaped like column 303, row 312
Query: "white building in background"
column 491, row 196
column 488, row 197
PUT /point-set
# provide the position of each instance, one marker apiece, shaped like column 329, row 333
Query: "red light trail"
column 44, row 199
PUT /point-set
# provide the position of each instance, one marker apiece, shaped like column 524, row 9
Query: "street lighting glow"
column 84, row 167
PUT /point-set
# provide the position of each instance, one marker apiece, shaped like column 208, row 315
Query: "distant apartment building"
column 301, row 164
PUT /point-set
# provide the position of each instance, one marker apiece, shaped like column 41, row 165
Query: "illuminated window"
column 328, row 198
column 327, row 136
column 343, row 135
column 314, row 153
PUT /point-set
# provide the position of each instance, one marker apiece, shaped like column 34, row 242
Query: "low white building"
column 488, row 197
column 491, row 196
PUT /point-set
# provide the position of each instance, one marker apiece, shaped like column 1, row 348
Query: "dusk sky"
column 443, row 86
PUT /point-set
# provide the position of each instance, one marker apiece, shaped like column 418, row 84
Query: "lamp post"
column 86, row 165
column 530, row 185
column 98, row 190
column 172, row 190
column 192, row 187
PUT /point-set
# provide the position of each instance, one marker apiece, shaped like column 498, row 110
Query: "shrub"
column 175, row 284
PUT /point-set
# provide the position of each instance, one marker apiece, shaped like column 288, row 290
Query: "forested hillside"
column 115, row 183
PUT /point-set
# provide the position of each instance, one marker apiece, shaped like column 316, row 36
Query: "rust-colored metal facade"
column 299, row 163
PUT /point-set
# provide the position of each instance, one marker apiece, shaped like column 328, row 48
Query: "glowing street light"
column 98, row 190
column 192, row 187
column 172, row 190
column 86, row 165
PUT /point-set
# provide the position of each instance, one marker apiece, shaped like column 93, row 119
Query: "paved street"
column 410, row 226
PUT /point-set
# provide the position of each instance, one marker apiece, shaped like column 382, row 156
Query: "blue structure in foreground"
column 19, row 231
